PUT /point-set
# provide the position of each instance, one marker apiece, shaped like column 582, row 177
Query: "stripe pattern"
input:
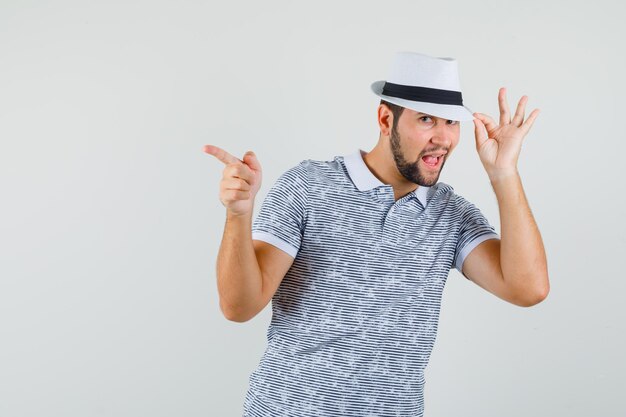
column 355, row 318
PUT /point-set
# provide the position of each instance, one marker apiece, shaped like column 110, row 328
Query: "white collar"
column 364, row 180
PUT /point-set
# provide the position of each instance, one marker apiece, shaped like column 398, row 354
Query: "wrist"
column 232, row 215
column 502, row 175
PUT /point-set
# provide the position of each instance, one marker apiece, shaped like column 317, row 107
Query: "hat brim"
column 446, row 111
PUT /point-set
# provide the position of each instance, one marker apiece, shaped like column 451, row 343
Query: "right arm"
column 239, row 277
column 248, row 271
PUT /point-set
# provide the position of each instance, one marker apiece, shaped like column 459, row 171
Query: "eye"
column 450, row 122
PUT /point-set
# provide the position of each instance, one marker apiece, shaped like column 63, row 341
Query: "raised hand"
column 499, row 148
column 241, row 180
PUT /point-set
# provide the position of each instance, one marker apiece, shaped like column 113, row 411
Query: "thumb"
column 251, row 160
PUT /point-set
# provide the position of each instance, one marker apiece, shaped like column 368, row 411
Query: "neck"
column 381, row 163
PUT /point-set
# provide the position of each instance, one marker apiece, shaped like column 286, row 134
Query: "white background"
column 110, row 221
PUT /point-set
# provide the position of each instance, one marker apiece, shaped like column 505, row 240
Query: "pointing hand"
column 241, row 180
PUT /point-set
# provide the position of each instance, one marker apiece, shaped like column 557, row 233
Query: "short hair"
column 395, row 110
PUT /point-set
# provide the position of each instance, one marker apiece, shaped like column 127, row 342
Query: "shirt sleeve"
column 282, row 216
column 474, row 229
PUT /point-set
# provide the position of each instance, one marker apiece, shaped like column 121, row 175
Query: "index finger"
column 220, row 154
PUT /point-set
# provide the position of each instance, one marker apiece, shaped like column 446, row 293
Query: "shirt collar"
column 364, row 180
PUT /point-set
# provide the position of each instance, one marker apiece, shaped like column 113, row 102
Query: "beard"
column 411, row 170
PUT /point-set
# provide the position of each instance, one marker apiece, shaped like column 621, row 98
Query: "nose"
column 443, row 135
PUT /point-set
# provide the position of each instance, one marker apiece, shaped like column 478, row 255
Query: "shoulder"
column 319, row 172
column 296, row 175
column 309, row 167
column 459, row 208
column 445, row 191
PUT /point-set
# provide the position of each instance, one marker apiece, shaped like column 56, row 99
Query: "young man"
column 354, row 253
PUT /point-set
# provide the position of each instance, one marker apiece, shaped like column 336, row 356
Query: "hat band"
column 430, row 95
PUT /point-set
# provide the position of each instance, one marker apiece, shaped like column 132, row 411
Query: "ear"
column 385, row 120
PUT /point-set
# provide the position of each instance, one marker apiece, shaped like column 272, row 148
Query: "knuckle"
column 244, row 184
column 231, row 170
column 241, row 171
column 245, row 170
column 238, row 194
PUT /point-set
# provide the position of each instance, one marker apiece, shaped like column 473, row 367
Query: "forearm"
column 522, row 255
column 239, row 277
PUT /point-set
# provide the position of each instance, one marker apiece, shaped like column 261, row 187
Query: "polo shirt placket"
column 412, row 204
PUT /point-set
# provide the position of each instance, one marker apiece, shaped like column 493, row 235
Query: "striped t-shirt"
column 355, row 318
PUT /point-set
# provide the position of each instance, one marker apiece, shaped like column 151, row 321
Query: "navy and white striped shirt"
column 355, row 318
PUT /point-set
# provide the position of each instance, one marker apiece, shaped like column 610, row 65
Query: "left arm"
column 514, row 267
column 522, row 255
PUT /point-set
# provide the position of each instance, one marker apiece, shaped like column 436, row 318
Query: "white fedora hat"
column 426, row 84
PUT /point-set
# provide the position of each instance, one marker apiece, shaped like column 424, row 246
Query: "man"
column 354, row 253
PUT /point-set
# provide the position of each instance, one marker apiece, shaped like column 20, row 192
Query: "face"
column 416, row 135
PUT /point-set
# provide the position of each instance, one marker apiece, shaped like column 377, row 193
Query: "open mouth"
column 432, row 161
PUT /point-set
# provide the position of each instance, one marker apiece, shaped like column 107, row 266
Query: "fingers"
column 251, row 160
column 241, row 179
column 235, row 195
column 479, row 132
column 233, row 183
column 529, row 122
column 519, row 112
column 239, row 170
column 236, row 170
column 505, row 114
column 236, row 188
column 489, row 123
column 220, row 154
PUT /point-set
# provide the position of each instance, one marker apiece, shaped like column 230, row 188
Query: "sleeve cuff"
column 470, row 246
column 276, row 241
